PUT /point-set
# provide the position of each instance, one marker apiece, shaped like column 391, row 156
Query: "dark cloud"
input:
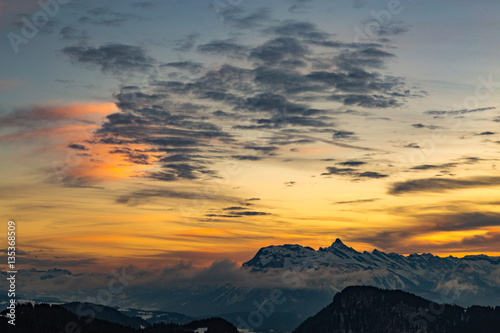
column 133, row 155
column 226, row 47
column 247, row 157
column 279, row 50
column 275, row 94
column 463, row 221
column 432, row 127
column 371, row 174
column 253, row 199
column 458, row 112
column 73, row 34
column 442, row 185
column 112, row 58
column 263, row 149
column 486, row 133
column 250, row 213
column 360, row 201
column 342, row 135
column 369, row 57
column 351, row 163
column 190, row 66
column 367, row 101
column 235, row 208
column 434, row 166
column 238, row 18
column 338, row 171
column 290, row 183
column 77, row 147
column 305, row 31
column 413, row 145
column 353, row 173
column 140, row 197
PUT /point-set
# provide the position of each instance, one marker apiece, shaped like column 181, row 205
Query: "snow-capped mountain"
column 473, row 279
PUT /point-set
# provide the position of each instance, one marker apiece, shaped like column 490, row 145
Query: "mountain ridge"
column 365, row 309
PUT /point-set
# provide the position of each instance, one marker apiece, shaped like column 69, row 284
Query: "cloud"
column 279, row 50
column 193, row 67
column 351, row 163
column 486, row 133
column 71, row 33
column 392, row 29
column 434, row 166
column 463, row 221
column 366, row 101
column 226, row 47
column 355, row 174
column 342, row 135
column 40, row 116
column 369, row 57
column 246, row 157
column 371, row 174
column 458, row 112
column 111, row 58
column 140, row 197
column 239, row 19
column 359, row 201
column 187, row 43
column 432, row 127
column 413, row 145
column 442, row 185
column 107, row 17
column 77, row 147
column 300, row 6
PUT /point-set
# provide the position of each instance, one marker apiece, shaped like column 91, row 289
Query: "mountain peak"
column 338, row 244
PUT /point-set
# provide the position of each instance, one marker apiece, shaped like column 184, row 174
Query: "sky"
column 150, row 132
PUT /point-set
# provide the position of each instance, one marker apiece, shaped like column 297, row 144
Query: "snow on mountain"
column 471, row 279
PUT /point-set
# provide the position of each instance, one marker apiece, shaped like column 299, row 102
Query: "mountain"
column 45, row 318
column 373, row 310
column 105, row 313
column 473, row 279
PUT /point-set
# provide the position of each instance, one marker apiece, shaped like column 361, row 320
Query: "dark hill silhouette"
column 374, row 310
column 44, row 318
